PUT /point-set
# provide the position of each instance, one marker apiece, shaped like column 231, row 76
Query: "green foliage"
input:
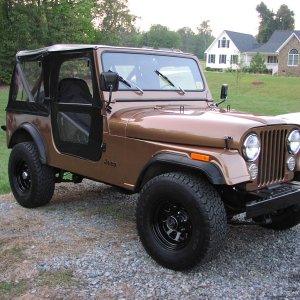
column 196, row 43
column 285, row 18
column 257, row 64
column 39, row 23
column 160, row 36
column 269, row 21
column 4, row 152
column 115, row 23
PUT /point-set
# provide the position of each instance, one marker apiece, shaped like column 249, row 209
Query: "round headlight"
column 293, row 142
column 251, row 147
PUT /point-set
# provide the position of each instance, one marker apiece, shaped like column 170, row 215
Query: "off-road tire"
column 32, row 183
column 282, row 219
column 189, row 204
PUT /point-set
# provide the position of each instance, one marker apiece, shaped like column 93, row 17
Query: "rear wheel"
column 181, row 220
column 32, row 183
column 281, row 219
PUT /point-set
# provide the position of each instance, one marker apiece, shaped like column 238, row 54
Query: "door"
column 76, row 108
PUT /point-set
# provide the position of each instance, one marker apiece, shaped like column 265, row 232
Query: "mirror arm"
column 108, row 107
column 221, row 102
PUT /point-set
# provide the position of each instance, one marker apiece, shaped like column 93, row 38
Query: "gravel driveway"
column 84, row 245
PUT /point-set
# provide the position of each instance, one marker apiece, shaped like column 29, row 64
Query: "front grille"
column 272, row 159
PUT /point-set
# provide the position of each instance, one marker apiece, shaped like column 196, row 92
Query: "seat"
column 74, row 126
column 74, row 90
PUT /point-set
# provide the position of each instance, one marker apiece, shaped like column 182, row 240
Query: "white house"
column 233, row 49
column 226, row 51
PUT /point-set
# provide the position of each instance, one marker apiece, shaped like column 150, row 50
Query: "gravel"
column 84, row 245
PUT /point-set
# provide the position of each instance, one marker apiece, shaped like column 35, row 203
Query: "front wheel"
column 32, row 183
column 181, row 220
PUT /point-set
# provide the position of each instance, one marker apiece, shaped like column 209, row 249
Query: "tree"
column 187, row 39
column 257, row 64
column 36, row 23
column 269, row 22
column 160, row 36
column 114, row 22
column 285, row 18
column 204, row 38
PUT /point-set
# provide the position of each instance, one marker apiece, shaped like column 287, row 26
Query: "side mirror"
column 109, row 81
column 224, row 91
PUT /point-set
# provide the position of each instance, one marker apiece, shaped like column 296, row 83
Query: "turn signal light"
column 201, row 157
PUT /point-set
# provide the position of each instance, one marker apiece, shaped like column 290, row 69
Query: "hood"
column 188, row 126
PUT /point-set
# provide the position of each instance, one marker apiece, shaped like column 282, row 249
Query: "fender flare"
column 36, row 137
column 210, row 170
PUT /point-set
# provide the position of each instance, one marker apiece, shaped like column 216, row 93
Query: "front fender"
column 225, row 167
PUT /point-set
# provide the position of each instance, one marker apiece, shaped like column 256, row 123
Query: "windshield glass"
column 141, row 70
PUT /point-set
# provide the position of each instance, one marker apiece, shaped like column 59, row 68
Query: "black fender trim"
column 211, row 171
column 37, row 139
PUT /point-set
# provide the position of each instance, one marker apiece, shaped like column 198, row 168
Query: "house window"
column 272, row 59
column 293, row 58
column 234, row 59
column 223, row 43
column 211, row 58
column 222, row 59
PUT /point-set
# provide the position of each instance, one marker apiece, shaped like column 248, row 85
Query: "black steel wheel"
column 172, row 225
column 181, row 220
column 32, row 183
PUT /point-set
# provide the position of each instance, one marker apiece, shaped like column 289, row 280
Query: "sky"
column 234, row 15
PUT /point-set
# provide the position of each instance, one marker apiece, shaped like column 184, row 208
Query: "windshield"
column 143, row 70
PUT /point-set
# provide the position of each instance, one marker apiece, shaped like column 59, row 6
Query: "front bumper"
column 271, row 199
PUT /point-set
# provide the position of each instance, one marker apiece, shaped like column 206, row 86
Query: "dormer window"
column 293, row 58
column 223, row 43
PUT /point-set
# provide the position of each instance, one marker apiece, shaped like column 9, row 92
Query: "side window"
column 76, row 72
column 75, row 87
column 19, row 91
column 28, row 82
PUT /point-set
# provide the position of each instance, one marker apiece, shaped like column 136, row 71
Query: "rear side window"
column 28, row 82
column 27, row 94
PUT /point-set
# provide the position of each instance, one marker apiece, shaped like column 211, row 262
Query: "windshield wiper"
column 169, row 81
column 129, row 84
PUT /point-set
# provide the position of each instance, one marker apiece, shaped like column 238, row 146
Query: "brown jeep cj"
column 144, row 120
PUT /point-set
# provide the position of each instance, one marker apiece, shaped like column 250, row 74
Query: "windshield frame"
column 156, row 53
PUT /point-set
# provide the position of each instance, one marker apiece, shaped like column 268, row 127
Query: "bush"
column 213, row 69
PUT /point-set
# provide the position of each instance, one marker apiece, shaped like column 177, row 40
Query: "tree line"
column 283, row 19
column 31, row 24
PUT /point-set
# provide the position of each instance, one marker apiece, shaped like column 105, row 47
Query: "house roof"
column 244, row 42
column 275, row 42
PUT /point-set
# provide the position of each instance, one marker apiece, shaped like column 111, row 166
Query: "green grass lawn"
column 261, row 94
column 4, row 152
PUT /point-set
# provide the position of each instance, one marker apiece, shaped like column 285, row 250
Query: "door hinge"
column 103, row 147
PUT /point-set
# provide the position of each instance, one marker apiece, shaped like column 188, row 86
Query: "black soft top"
column 41, row 52
column 38, row 54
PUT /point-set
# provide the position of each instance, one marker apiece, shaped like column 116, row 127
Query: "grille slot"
column 272, row 159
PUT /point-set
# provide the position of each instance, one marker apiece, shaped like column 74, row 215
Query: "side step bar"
column 271, row 199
